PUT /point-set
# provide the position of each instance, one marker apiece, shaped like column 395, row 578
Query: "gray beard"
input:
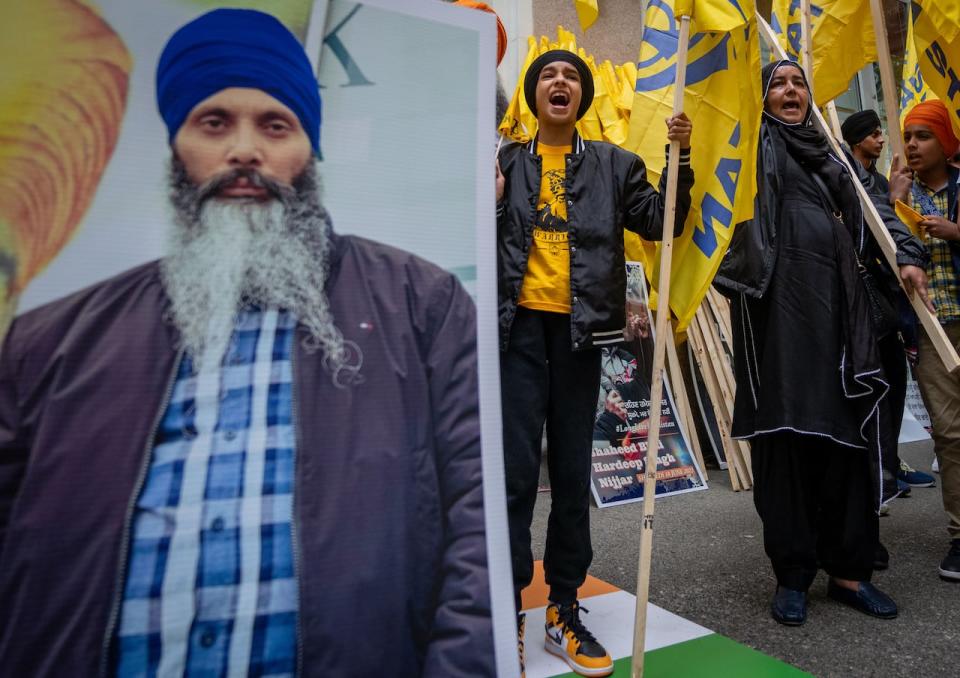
column 226, row 255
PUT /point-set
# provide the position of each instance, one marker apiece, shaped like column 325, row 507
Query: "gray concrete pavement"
column 709, row 566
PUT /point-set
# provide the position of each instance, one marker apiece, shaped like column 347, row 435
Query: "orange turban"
column 501, row 31
column 934, row 114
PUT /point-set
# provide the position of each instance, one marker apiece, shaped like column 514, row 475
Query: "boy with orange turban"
column 929, row 184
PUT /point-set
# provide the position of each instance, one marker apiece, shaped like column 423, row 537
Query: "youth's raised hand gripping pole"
column 664, row 333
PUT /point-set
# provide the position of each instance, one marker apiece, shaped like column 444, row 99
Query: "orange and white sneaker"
column 521, row 624
column 569, row 639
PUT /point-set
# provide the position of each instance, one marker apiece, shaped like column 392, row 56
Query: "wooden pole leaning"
column 891, row 101
column 934, row 330
column 663, row 335
column 806, row 42
column 684, row 409
column 711, row 382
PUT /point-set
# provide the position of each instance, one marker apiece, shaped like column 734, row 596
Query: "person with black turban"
column 562, row 205
column 810, row 384
column 864, row 136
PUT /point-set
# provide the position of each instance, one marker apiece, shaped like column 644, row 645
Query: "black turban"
column 859, row 126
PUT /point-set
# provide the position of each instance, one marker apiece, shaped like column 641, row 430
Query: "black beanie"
column 859, row 126
column 533, row 75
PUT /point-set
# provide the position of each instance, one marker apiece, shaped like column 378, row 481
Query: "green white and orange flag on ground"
column 913, row 88
column 936, row 34
column 841, row 35
column 723, row 99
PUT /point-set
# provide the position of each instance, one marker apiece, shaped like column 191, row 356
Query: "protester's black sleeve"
column 910, row 251
column 643, row 205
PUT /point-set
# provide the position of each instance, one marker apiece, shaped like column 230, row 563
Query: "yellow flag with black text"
column 723, row 99
column 936, row 32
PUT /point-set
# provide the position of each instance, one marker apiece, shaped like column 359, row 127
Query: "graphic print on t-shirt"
column 546, row 285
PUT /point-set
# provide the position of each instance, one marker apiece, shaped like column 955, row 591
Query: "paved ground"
column 709, row 566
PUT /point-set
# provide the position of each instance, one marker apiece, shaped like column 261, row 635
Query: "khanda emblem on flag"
column 722, row 98
column 656, row 68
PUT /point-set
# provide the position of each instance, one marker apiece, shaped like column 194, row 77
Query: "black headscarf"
column 804, row 142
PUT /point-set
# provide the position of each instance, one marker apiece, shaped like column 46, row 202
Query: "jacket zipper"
column 128, row 519
column 294, row 532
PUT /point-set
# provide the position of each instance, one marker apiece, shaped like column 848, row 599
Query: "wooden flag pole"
column 806, row 49
column 891, row 101
column 806, row 42
column 663, row 334
column 834, row 119
column 684, row 408
column 945, row 349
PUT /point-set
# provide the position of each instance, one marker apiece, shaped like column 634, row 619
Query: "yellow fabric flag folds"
column 842, row 37
column 723, row 99
column 913, row 89
column 945, row 16
column 608, row 117
column 939, row 56
column 587, row 12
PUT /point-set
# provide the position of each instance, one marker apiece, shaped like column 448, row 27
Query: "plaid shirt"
column 211, row 587
column 942, row 273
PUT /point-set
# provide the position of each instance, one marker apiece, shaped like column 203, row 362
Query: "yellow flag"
column 589, row 126
column 842, row 37
column 519, row 123
column 587, row 12
column 605, row 120
column 911, row 218
column 723, row 99
column 945, row 17
column 785, row 22
column 913, row 89
column 627, row 77
column 613, row 125
column 939, row 56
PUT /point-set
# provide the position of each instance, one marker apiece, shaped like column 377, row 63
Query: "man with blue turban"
column 190, row 479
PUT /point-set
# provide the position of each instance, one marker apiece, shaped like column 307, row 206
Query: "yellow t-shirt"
column 546, row 284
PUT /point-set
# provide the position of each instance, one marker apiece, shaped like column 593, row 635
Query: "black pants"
column 894, row 364
column 543, row 380
column 814, row 497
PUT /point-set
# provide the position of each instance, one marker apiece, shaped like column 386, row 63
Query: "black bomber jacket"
column 606, row 190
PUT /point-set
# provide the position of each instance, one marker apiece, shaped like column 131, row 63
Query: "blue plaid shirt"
column 210, row 586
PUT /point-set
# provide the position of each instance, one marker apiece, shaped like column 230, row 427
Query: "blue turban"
column 236, row 48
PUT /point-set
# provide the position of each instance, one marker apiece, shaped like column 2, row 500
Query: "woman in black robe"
column 809, row 382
